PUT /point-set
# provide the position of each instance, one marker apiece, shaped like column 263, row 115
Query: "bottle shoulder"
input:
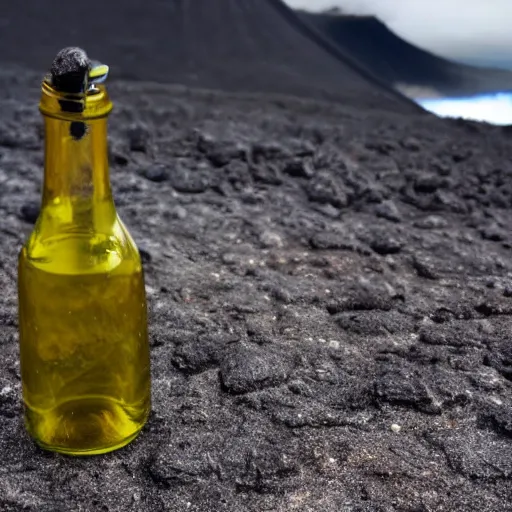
column 74, row 250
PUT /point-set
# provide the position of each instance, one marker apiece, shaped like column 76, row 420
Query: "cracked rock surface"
column 330, row 304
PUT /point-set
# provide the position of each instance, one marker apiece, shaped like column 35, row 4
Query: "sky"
column 476, row 31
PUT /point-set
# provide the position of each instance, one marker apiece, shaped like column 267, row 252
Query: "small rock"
column 460, row 311
column 156, row 173
column 138, row 138
column 281, row 294
column 199, row 355
column 258, row 330
column 396, row 428
column 477, row 457
column 246, row 368
column 375, row 193
column 448, row 201
column 270, row 239
column 361, row 299
column 441, row 167
column 302, row 148
column 333, row 240
column 388, row 210
column 494, row 306
column 176, row 212
column 299, row 387
column 118, row 158
column 424, row 267
column 250, row 196
column 269, row 151
column 427, row 183
column 299, row 168
column 384, row 147
column 116, row 152
column 328, row 210
column 230, row 258
column 374, row 323
column 222, row 156
column 179, row 461
column 29, row 212
column 325, row 189
column 500, row 358
column 404, row 389
column 189, row 181
column 237, row 174
column 12, row 137
column 493, row 233
column 447, row 335
column 384, row 244
column 7, row 139
column 268, row 174
column 499, row 418
column 220, row 153
column 205, row 141
column 411, row 144
column 461, row 154
column 145, row 255
column 431, row 222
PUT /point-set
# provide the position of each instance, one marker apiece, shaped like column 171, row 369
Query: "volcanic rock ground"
column 330, row 307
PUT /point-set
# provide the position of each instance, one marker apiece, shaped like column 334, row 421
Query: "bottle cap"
column 72, row 89
column 73, row 72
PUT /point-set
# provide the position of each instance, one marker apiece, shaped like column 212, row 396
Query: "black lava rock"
column 139, row 138
column 388, row 210
column 248, row 368
column 299, row 168
column 189, row 181
column 29, row 212
column 326, row 189
column 156, row 173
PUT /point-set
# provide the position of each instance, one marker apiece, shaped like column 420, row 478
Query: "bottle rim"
column 94, row 103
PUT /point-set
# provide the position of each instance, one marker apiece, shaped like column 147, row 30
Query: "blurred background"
column 469, row 33
column 451, row 57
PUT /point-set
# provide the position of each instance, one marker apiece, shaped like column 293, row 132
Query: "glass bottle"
column 84, row 352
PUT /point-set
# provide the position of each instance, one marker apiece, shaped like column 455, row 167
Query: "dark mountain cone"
column 234, row 45
column 401, row 64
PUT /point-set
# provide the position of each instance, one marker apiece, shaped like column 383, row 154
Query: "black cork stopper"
column 70, row 69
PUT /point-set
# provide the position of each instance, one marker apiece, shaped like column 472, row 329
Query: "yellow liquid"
column 83, row 344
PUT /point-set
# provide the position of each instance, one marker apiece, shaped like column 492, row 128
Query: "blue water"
column 491, row 108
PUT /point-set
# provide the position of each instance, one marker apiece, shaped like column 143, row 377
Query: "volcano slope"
column 401, row 64
column 330, row 307
column 231, row 45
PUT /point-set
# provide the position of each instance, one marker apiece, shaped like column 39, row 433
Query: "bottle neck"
column 76, row 186
column 76, row 161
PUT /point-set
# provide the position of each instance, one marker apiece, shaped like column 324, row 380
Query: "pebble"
column 270, row 239
column 388, row 210
column 156, row 173
column 29, row 212
column 431, row 222
column 138, row 138
column 299, row 168
column 178, row 212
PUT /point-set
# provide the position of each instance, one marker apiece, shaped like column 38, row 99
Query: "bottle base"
column 86, row 426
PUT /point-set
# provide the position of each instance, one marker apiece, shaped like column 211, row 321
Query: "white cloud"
column 311, row 5
column 459, row 29
column 495, row 109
